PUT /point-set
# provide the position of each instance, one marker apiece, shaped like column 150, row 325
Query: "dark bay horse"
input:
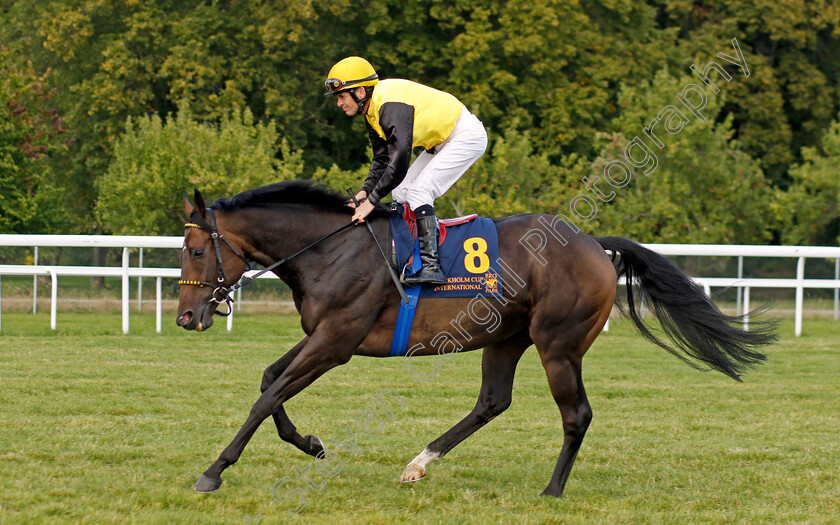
column 559, row 286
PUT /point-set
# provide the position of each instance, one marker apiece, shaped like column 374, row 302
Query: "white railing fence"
column 799, row 283
column 126, row 272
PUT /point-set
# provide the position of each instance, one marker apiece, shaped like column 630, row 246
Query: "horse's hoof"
column 412, row 473
column 315, row 445
column 551, row 493
column 207, row 485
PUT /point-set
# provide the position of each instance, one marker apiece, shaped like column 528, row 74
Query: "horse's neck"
column 277, row 233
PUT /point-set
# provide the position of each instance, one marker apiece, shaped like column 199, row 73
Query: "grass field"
column 100, row 427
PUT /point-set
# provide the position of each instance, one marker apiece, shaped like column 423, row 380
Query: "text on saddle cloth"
column 469, row 256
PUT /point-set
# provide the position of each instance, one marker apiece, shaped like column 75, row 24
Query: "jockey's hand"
column 362, row 211
column 359, row 198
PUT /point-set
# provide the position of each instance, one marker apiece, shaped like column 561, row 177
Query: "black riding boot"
column 427, row 234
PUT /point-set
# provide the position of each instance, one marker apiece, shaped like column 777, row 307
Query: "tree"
column 31, row 131
column 794, row 56
column 546, row 72
column 702, row 188
column 157, row 163
column 810, row 208
column 510, row 178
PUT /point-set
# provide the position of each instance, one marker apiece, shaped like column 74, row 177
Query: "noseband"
column 222, row 293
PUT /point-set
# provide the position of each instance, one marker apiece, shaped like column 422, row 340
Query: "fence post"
column 157, row 303
column 140, row 283
column 125, row 296
column 836, row 290
column 800, row 277
column 230, row 320
column 740, row 276
column 746, row 308
column 53, row 297
column 35, row 286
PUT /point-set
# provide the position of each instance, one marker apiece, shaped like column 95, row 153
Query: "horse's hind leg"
column 564, row 379
column 285, row 428
column 561, row 357
column 498, row 365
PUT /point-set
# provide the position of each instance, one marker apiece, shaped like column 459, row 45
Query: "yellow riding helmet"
column 349, row 73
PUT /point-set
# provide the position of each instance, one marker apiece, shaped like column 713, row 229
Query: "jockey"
column 400, row 115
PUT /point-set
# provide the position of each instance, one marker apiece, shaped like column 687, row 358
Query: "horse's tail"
column 691, row 321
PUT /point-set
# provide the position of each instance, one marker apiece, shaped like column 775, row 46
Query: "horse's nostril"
column 184, row 319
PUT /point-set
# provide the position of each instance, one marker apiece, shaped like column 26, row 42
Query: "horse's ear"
column 188, row 207
column 199, row 205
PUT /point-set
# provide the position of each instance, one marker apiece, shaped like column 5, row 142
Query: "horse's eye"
column 198, row 254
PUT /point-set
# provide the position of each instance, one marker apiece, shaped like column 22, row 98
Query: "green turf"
column 100, row 427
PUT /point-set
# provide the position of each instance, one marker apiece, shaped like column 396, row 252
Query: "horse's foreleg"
column 498, row 364
column 315, row 358
column 309, row 444
column 287, row 431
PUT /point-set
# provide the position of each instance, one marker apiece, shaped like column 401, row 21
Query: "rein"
column 224, row 294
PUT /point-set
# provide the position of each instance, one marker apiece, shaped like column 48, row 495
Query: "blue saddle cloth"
column 469, row 257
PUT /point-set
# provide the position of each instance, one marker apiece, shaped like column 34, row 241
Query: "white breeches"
column 430, row 175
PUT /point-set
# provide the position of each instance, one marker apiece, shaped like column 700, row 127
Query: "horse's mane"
column 293, row 192
column 286, row 192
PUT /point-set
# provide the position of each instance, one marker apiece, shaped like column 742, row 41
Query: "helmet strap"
column 362, row 101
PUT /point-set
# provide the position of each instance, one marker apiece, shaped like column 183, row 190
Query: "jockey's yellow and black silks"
column 402, row 115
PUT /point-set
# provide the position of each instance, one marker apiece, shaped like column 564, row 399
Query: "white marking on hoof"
column 416, row 470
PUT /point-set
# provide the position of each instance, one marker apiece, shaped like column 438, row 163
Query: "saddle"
column 411, row 220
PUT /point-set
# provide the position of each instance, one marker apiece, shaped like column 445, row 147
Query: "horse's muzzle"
column 189, row 320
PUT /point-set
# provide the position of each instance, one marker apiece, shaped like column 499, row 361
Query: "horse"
column 559, row 289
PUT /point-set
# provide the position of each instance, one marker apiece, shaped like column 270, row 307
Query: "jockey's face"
column 345, row 101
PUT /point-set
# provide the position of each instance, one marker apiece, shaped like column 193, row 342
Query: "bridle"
column 222, row 293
